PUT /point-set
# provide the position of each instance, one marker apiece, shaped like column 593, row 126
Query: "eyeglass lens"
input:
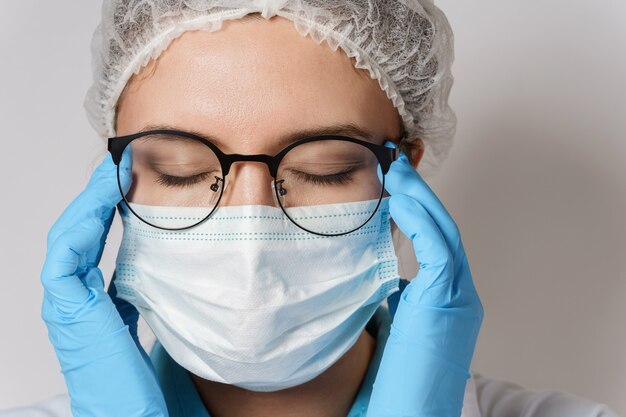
column 176, row 171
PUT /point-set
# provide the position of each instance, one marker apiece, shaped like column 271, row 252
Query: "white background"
column 535, row 182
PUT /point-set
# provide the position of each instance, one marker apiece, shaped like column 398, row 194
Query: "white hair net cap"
column 407, row 45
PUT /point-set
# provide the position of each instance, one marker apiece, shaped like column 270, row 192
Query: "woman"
column 275, row 311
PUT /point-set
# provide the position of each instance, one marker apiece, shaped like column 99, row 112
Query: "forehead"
column 253, row 78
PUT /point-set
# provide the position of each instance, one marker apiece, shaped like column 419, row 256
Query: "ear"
column 413, row 148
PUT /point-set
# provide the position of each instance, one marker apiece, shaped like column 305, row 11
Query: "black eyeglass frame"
column 116, row 146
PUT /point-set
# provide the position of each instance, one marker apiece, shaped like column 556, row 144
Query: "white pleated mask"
column 249, row 299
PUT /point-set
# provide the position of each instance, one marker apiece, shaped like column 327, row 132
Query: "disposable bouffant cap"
column 407, row 45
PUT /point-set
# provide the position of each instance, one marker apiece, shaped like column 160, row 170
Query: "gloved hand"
column 106, row 371
column 425, row 363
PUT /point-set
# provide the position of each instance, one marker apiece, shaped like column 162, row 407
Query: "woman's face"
column 247, row 86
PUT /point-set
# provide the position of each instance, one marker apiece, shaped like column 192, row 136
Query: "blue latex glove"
column 106, row 371
column 425, row 363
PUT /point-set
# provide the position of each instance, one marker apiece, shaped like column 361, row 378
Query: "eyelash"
column 338, row 178
column 173, row 181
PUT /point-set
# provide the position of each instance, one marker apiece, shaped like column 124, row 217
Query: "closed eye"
column 181, row 182
column 338, row 178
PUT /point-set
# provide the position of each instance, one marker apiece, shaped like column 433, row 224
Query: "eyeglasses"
column 174, row 168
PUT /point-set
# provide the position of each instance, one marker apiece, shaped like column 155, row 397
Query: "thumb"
column 94, row 279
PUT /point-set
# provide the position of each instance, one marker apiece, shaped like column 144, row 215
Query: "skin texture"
column 248, row 84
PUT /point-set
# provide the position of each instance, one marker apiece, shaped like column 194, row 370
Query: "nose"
column 248, row 183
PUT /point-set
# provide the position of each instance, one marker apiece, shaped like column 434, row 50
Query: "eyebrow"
column 341, row 129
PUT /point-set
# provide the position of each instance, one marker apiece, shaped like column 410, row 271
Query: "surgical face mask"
column 249, row 299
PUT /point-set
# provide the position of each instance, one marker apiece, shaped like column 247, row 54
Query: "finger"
column 94, row 279
column 402, row 178
column 94, row 256
column 99, row 194
column 97, row 200
column 432, row 285
column 65, row 263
